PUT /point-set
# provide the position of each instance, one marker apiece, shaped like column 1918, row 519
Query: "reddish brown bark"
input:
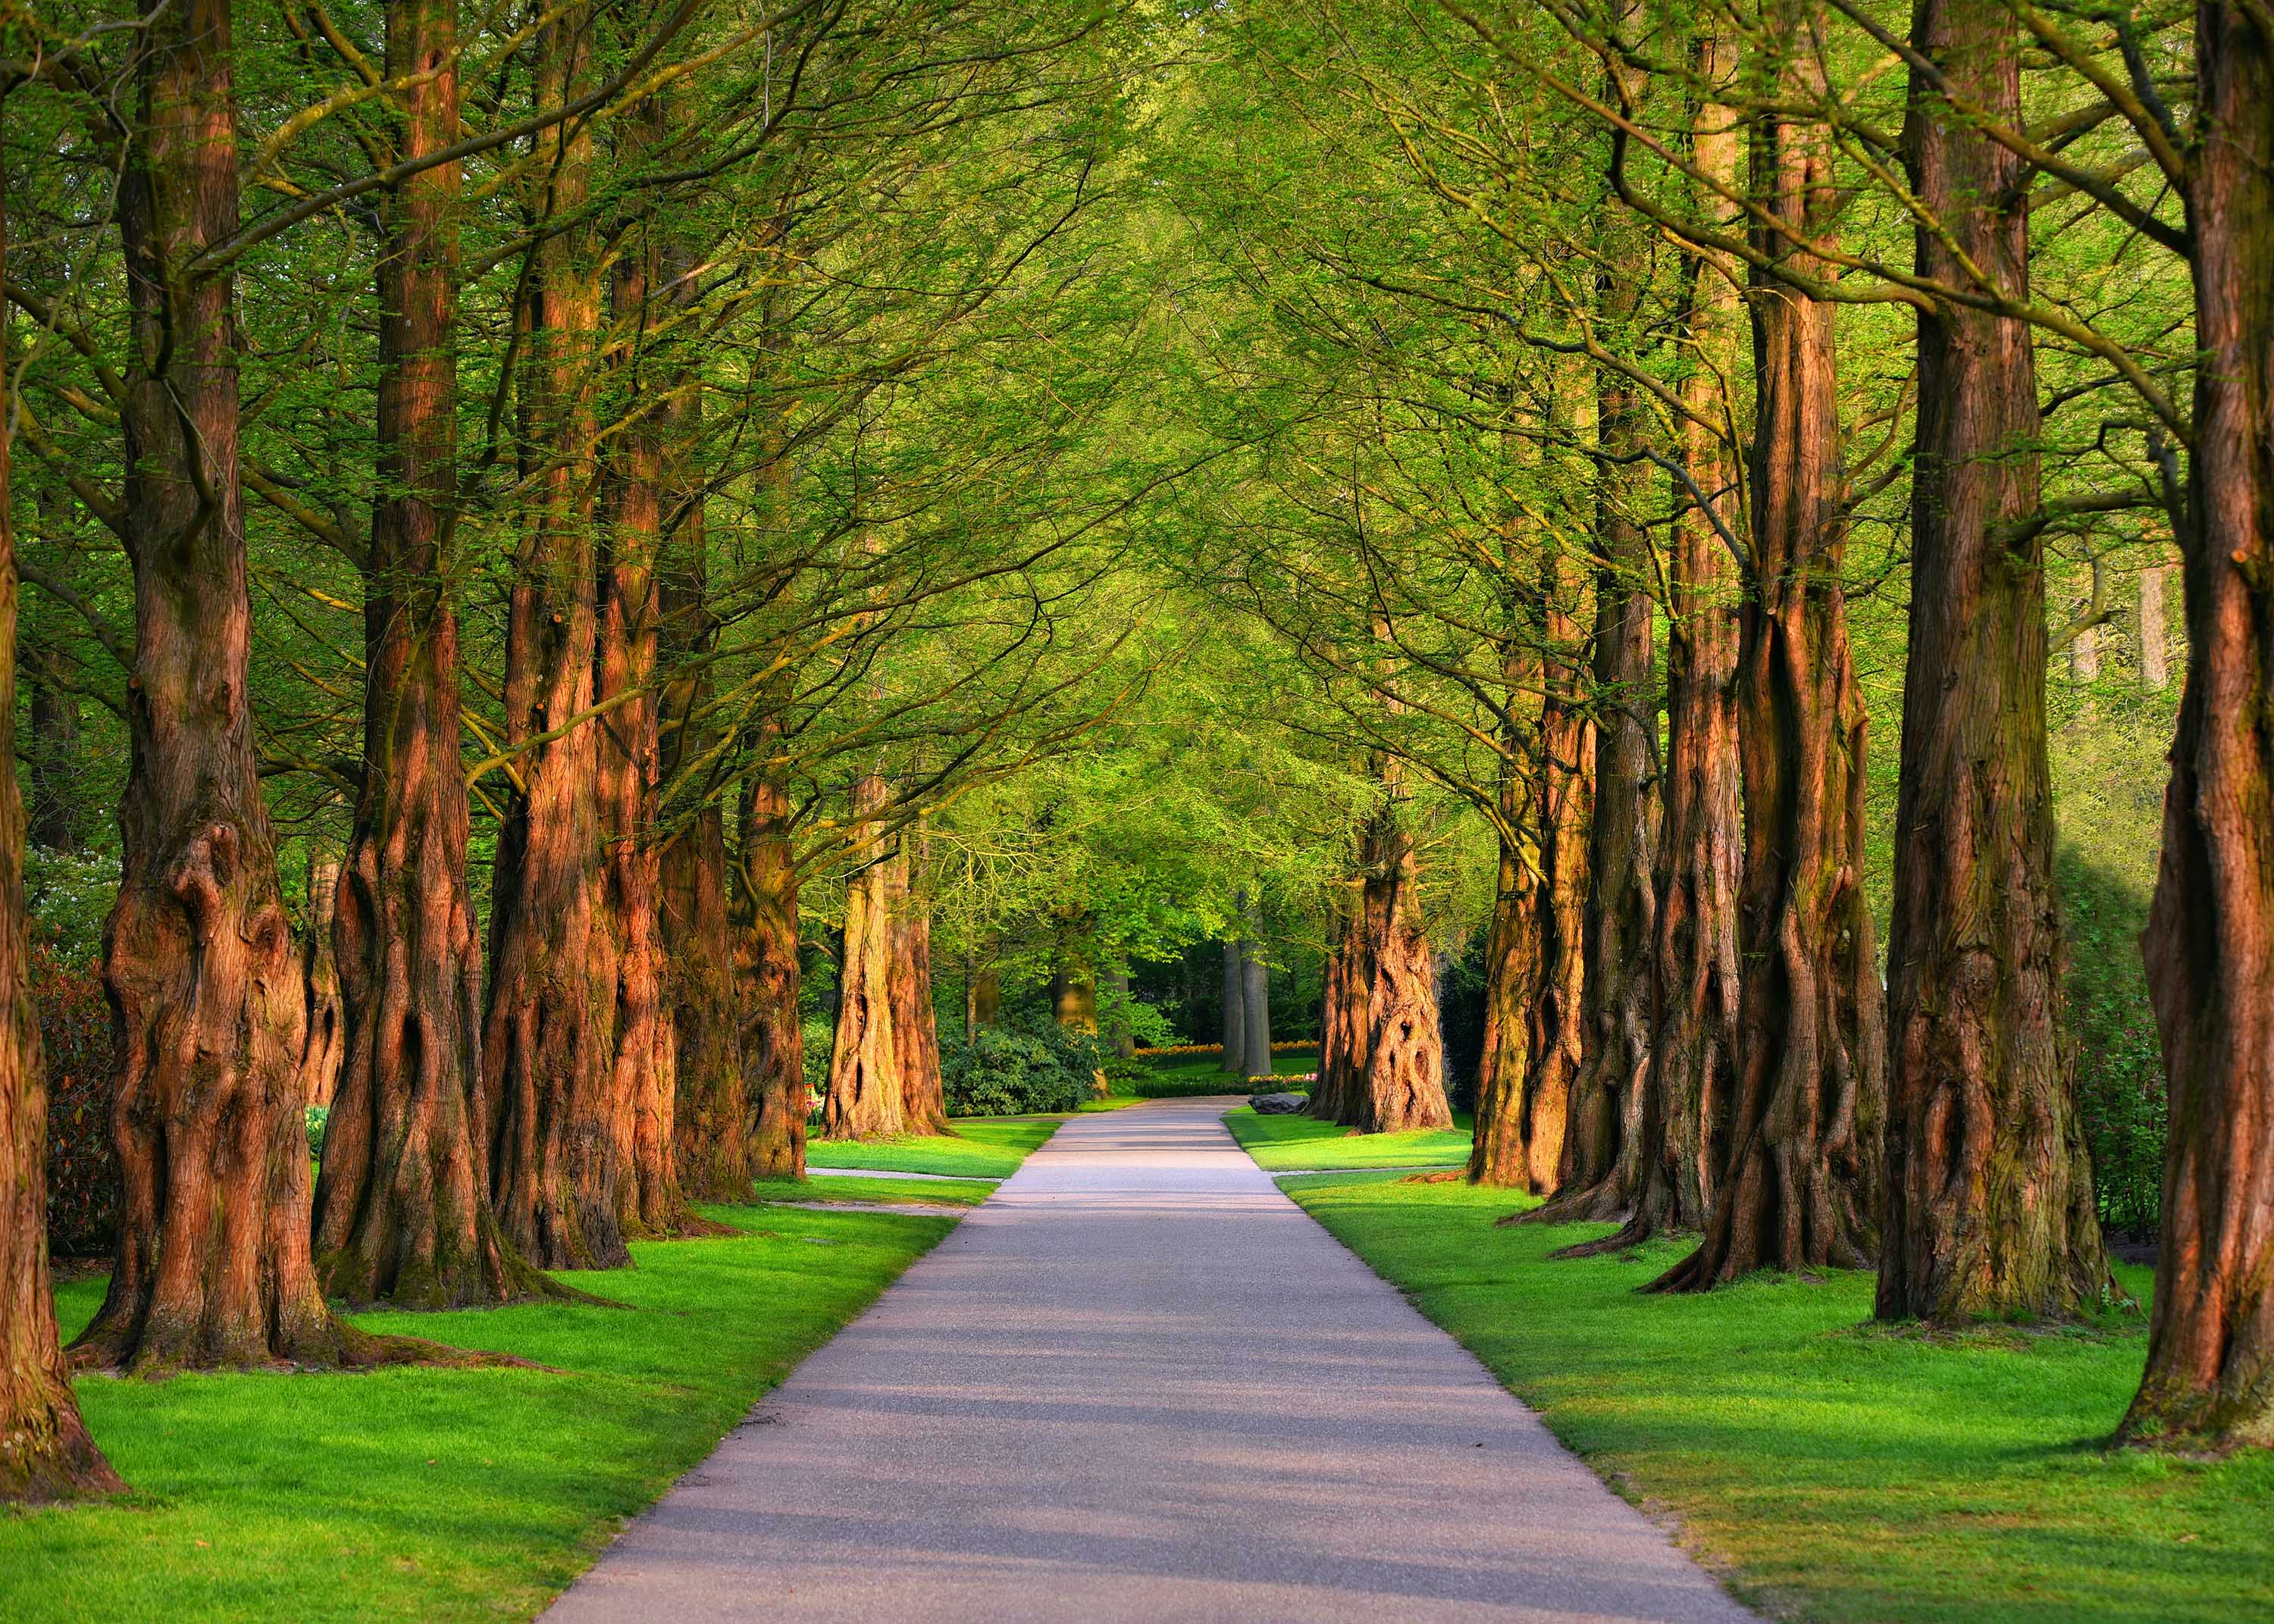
column 1344, row 1026
column 550, row 1107
column 45, row 1452
column 324, row 1046
column 214, row 1266
column 767, row 979
column 865, row 1099
column 645, row 1091
column 2209, row 941
column 1692, row 1078
column 1403, row 1085
column 403, row 1206
column 1499, row 1153
column 1800, row 1189
column 1989, row 1210
column 916, row 1024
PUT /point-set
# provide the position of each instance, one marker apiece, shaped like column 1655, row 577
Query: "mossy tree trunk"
column 767, row 977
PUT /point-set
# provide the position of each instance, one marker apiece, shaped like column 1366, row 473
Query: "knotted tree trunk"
column 45, row 1452
column 1691, row 1084
column 767, row 979
column 2209, row 941
column 916, row 1024
column 1990, row 1209
column 1800, row 1189
column 550, row 1106
column 866, row 1099
column 402, row 1206
column 1345, row 1029
column 1404, row 1084
column 213, row 1268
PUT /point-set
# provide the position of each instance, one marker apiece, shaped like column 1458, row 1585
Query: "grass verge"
column 1297, row 1144
column 444, row 1494
column 1839, row 1471
column 977, row 1147
column 882, row 1191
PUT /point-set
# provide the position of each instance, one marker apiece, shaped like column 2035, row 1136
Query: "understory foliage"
column 1017, row 1067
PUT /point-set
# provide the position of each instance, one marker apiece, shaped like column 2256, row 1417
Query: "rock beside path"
column 1277, row 1104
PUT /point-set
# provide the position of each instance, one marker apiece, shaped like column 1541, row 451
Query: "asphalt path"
column 1139, row 1384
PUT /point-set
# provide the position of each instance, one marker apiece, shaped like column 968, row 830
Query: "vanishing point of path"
column 1139, row 1384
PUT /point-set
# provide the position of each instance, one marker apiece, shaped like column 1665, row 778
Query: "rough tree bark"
column 1404, row 1083
column 45, row 1452
column 1989, row 1208
column 865, row 1100
column 548, row 1101
column 1235, row 997
column 1701, row 847
column 645, row 1091
column 213, row 1268
column 767, row 976
column 916, row 1024
column 323, row 1048
column 1344, row 1026
column 402, row 1210
column 2209, row 941
column 1522, row 1147
column 1800, row 1186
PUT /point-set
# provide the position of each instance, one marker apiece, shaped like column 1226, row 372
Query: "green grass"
column 444, row 1494
column 1297, row 1144
column 1844, row 1473
column 876, row 1191
column 978, row 1147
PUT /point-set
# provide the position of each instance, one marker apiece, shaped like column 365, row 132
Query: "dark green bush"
column 2119, row 1062
column 1020, row 1066
column 76, row 1042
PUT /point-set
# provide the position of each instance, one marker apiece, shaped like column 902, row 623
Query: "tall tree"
column 214, row 1266
column 45, row 1452
column 768, row 975
column 2209, row 941
column 403, row 1207
column 1800, row 1186
column 1990, row 1209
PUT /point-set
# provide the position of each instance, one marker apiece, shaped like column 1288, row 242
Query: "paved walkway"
column 1138, row 1384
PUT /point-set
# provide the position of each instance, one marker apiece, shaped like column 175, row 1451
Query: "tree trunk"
column 550, row 1105
column 1235, row 997
column 767, row 976
column 323, row 1049
column 1344, row 1025
column 1074, row 992
column 1500, row 1152
column 1255, row 997
column 1692, row 1079
column 916, row 1024
column 1124, row 1040
column 1799, row 1187
column 650, row 1200
column 2155, row 630
column 45, row 1452
column 865, row 1100
column 1989, row 1209
column 58, row 821
column 2209, row 940
column 1404, row 1084
column 213, row 1268
column 403, row 1206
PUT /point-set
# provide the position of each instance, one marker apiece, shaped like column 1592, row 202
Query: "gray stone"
column 1278, row 1104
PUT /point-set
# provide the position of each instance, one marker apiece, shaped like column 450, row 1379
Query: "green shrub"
column 318, row 1116
column 1189, row 1086
column 2120, row 1062
column 79, row 1049
column 1019, row 1066
column 68, row 896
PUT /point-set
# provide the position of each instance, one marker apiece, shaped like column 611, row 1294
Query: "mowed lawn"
column 974, row 1147
column 1299, row 1144
column 883, row 1191
column 1843, row 1472
column 425, row 1494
